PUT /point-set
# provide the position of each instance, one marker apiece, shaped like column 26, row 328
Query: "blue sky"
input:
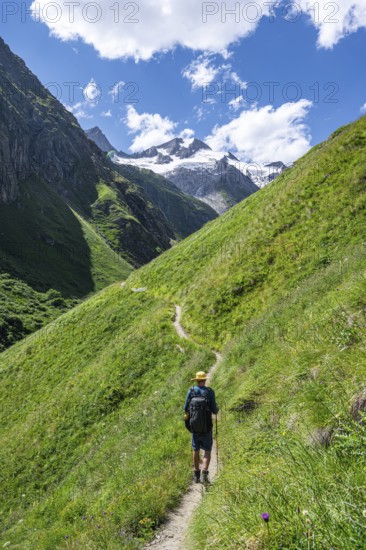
column 265, row 81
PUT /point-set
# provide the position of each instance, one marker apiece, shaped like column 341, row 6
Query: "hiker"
column 198, row 409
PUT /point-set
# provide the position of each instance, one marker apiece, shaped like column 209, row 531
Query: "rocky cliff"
column 40, row 139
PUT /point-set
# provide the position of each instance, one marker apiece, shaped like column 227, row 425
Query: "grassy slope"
column 236, row 267
column 50, row 259
column 108, row 430
column 106, row 265
column 108, row 201
column 279, row 282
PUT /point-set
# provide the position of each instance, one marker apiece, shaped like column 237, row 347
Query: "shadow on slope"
column 43, row 244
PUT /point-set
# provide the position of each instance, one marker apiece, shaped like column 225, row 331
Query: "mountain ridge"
column 40, row 137
column 217, row 178
column 96, row 135
column 71, row 221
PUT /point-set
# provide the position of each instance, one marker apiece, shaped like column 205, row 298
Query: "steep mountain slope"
column 183, row 212
column 278, row 282
column 68, row 224
column 217, row 178
column 40, row 138
column 96, row 135
column 50, row 259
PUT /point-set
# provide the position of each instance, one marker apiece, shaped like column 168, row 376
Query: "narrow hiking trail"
column 172, row 534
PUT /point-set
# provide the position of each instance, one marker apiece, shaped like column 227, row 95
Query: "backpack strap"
column 192, row 393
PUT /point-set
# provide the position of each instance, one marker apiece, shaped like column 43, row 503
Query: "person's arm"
column 186, row 405
column 213, row 404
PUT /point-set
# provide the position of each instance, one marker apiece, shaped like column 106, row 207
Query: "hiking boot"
column 205, row 476
column 197, row 476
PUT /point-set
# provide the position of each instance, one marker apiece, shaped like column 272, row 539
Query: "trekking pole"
column 217, row 447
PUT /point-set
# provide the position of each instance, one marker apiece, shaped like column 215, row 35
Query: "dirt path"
column 173, row 533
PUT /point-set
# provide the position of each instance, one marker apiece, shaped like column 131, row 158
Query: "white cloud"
column 73, row 108
column 92, row 93
column 78, row 110
column 200, row 113
column 82, row 114
column 236, row 103
column 266, row 134
column 200, row 72
column 363, row 108
column 333, row 20
column 150, row 129
column 141, row 29
column 187, row 133
column 116, row 90
column 236, row 78
column 212, row 79
column 215, row 82
column 107, row 114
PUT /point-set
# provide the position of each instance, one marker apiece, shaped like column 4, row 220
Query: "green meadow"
column 93, row 448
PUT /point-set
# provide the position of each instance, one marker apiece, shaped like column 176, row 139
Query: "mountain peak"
column 183, row 147
column 279, row 164
column 96, row 135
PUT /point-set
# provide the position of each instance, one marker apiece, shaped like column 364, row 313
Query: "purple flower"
column 265, row 517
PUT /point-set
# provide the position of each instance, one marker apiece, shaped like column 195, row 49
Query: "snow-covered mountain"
column 262, row 174
column 217, row 178
column 194, row 168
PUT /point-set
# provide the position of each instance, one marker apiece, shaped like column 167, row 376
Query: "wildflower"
column 265, row 517
column 83, row 518
column 305, row 512
column 364, row 513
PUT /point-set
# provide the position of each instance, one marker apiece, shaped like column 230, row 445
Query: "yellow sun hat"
column 200, row 376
